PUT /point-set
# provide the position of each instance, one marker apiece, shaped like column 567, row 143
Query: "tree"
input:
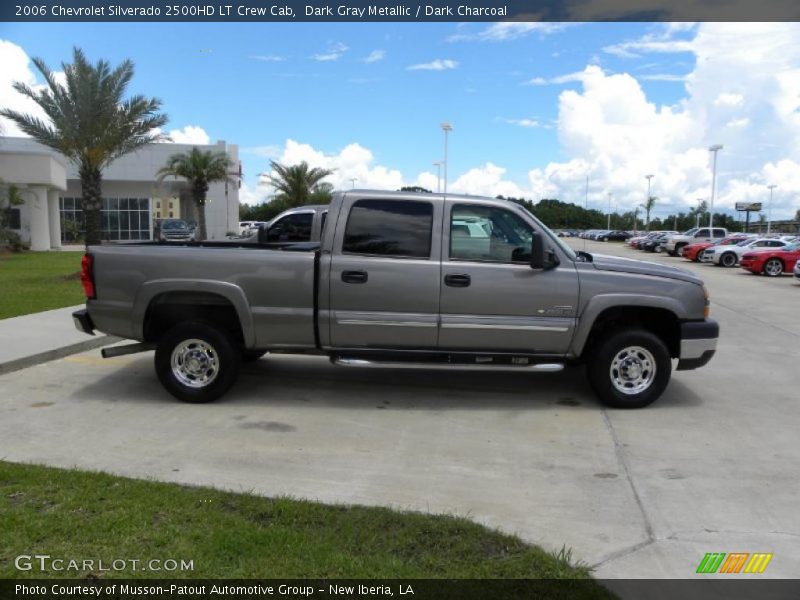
column 648, row 206
column 296, row 184
column 90, row 122
column 200, row 169
column 10, row 196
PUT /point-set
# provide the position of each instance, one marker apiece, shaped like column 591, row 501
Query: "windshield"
column 561, row 244
column 793, row 247
column 174, row 225
column 690, row 231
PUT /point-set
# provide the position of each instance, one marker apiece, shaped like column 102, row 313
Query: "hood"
column 604, row 262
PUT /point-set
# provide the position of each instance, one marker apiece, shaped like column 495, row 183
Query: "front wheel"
column 773, row 267
column 629, row 369
column 728, row 259
column 197, row 362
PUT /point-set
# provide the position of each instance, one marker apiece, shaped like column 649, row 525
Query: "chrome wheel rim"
column 195, row 363
column 633, row 370
column 773, row 268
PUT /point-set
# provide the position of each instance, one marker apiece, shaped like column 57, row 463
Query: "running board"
column 359, row 362
column 115, row 351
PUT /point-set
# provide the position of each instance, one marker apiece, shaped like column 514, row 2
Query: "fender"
column 231, row 292
column 598, row 304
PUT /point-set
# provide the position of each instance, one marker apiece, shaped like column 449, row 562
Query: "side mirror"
column 541, row 260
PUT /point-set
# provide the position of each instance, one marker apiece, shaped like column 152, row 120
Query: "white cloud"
column 562, row 79
column 663, row 77
column 505, row 31
column 335, row 52
column 191, row 134
column 486, row 180
column 436, row 65
column 615, row 134
column 524, row 122
column 269, row 151
column 251, row 196
column 375, row 56
column 729, row 100
column 267, row 58
column 18, row 67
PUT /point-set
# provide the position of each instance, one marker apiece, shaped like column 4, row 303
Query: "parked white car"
column 728, row 256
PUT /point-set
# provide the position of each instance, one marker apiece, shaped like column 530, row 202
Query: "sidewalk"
column 40, row 337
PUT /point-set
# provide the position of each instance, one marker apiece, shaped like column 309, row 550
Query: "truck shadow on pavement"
column 314, row 381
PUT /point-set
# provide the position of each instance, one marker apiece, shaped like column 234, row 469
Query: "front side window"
column 292, row 228
column 389, row 228
column 488, row 233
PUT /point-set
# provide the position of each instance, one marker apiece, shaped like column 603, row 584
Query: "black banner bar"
column 289, row 11
column 734, row 588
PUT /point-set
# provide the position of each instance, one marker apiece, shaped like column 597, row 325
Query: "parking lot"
column 710, row 467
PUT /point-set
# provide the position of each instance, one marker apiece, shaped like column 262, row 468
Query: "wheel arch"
column 661, row 316
column 164, row 303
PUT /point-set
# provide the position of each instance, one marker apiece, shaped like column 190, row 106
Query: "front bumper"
column 83, row 322
column 698, row 343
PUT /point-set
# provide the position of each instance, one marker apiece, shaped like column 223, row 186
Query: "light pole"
column 447, row 128
column 647, row 200
column 697, row 214
column 769, row 209
column 715, row 148
column 608, row 222
column 353, row 182
column 438, row 165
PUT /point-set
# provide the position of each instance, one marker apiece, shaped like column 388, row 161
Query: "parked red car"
column 772, row 262
column 692, row 251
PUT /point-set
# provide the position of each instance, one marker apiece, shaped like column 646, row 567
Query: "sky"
column 536, row 108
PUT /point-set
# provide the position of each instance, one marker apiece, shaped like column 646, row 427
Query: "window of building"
column 170, row 214
column 121, row 219
column 389, row 228
column 488, row 233
column 14, row 218
column 170, row 203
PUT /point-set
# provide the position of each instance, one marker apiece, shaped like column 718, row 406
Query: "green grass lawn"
column 76, row 514
column 35, row 281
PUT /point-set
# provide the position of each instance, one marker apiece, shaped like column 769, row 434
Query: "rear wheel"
column 629, row 369
column 197, row 362
column 679, row 249
column 773, row 267
column 728, row 259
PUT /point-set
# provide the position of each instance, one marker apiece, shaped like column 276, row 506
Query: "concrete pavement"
column 39, row 337
column 710, row 467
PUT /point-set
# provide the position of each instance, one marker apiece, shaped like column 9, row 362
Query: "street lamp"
column 608, row 223
column 697, row 214
column 353, row 182
column 447, row 128
column 769, row 210
column 715, row 148
column 438, row 165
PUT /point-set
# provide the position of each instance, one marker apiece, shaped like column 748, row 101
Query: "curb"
column 50, row 355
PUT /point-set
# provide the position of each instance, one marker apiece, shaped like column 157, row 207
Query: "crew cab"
column 402, row 280
column 676, row 242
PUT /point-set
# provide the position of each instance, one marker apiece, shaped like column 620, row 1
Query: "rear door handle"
column 457, row 280
column 354, row 276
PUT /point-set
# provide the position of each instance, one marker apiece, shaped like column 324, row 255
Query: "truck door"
column 384, row 275
column 491, row 299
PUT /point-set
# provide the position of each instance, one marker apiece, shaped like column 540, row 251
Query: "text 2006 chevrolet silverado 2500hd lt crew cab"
column 402, row 280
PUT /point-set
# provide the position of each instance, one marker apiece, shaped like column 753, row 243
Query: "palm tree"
column 297, row 185
column 200, row 169
column 648, row 206
column 90, row 122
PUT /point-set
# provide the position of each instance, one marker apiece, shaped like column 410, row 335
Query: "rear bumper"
column 83, row 322
column 698, row 343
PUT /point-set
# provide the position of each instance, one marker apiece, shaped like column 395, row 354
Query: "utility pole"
column 715, row 148
column 769, row 209
column 447, row 128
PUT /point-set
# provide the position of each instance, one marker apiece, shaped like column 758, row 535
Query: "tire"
column 699, row 256
column 249, row 356
column 635, row 349
column 672, row 253
column 773, row 267
column 728, row 260
column 215, row 355
column 679, row 249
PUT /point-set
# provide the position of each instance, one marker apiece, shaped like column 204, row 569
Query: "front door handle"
column 457, row 280
column 354, row 276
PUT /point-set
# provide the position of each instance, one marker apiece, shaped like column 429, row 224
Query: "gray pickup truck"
column 402, row 280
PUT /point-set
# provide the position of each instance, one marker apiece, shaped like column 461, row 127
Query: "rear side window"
column 389, row 228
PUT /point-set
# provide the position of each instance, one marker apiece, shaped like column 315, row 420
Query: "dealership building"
column 133, row 198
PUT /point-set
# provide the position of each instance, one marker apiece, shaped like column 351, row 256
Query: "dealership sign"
column 751, row 206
